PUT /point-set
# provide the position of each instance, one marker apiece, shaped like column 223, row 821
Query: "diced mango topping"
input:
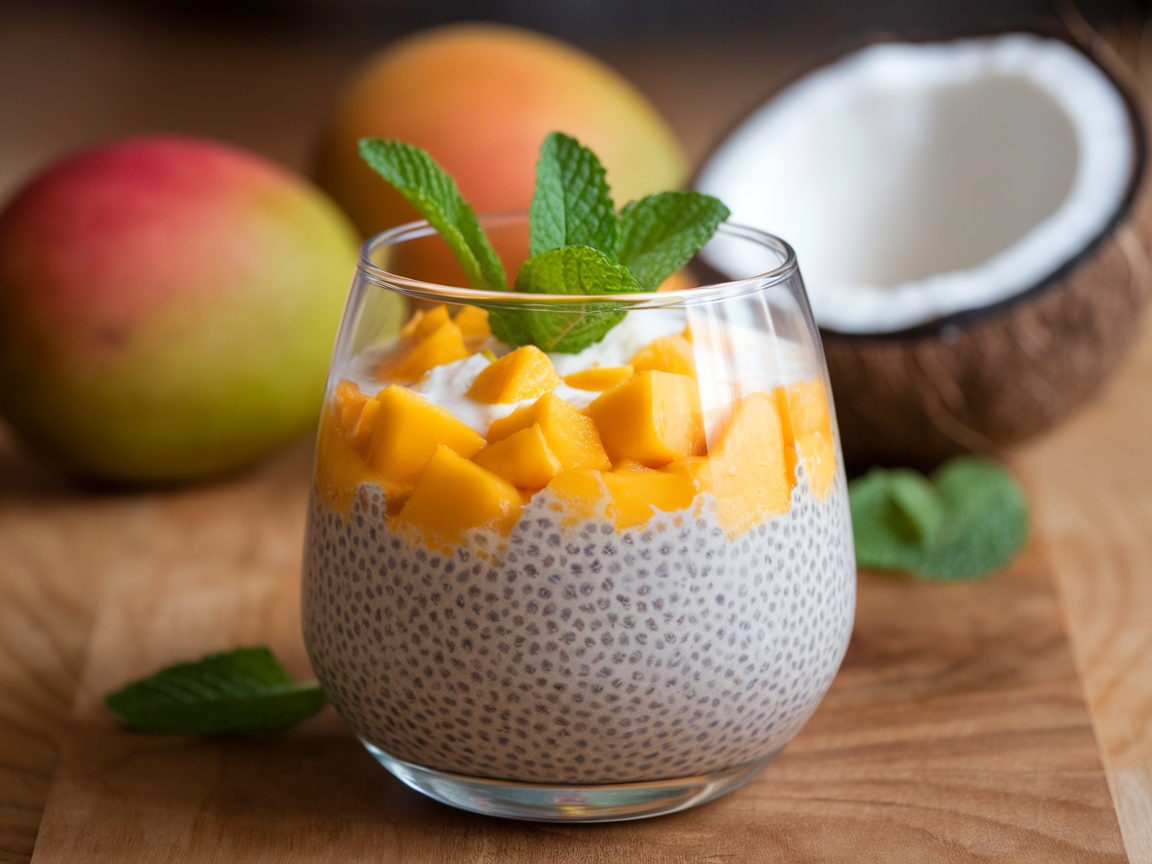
column 580, row 494
column 473, row 324
column 807, row 425
column 628, row 497
column 409, row 429
column 637, row 494
column 570, row 434
column 418, row 353
column 599, row 378
column 678, row 281
column 523, row 459
column 479, row 499
column 525, row 373
column 638, row 449
column 425, row 323
column 666, row 354
column 340, row 465
column 653, row 417
column 749, row 470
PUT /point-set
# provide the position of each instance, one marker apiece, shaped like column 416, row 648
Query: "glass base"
column 544, row 802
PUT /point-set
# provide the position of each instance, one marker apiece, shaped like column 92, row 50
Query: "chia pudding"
column 578, row 637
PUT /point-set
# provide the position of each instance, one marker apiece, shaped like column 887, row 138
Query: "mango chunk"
column 454, row 495
column 409, row 429
column 678, row 281
column 523, row 459
column 348, row 403
column 599, row 378
column 416, row 354
column 666, row 354
column 526, row 373
column 340, row 465
column 580, row 494
column 571, row 435
column 636, row 495
column 749, row 468
column 653, row 418
column 424, row 323
column 628, row 498
column 807, row 426
column 473, row 324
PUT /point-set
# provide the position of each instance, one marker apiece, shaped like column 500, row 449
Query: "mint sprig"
column 572, row 215
column 436, row 197
column 660, row 233
column 568, row 270
column 969, row 520
column 571, row 204
column 242, row 692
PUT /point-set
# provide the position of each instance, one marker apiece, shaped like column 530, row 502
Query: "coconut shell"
column 998, row 381
column 984, row 380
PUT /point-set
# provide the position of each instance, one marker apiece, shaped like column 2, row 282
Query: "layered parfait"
column 602, row 567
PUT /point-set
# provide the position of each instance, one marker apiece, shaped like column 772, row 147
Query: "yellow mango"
column 678, row 281
column 348, row 401
column 698, row 469
column 807, row 427
column 525, row 373
column 414, row 356
column 453, row 496
column 340, row 466
column 749, row 468
column 599, row 378
column 473, row 324
column 409, row 429
column 666, row 354
column 653, row 417
column 636, row 494
column 523, row 459
column 424, row 323
column 579, row 494
column 365, row 426
column 571, row 435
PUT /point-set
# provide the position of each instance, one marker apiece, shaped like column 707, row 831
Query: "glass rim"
column 436, row 292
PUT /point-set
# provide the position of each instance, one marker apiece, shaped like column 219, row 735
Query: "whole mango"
column 480, row 98
column 167, row 308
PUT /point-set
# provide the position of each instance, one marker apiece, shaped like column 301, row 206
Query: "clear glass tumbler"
column 578, row 587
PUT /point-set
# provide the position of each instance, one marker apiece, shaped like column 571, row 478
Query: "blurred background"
column 263, row 73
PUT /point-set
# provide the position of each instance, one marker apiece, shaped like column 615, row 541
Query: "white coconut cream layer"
column 917, row 181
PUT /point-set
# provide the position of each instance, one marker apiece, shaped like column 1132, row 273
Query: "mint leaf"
column 659, row 234
column 970, row 521
column 570, row 270
column 437, row 198
column 571, row 205
column 244, row 691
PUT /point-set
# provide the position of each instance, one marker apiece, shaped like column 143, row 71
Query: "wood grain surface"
column 961, row 727
column 956, row 729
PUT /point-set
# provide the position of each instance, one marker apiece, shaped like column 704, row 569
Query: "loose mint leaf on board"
column 570, row 270
column 243, row 692
column 985, row 521
column 894, row 514
column 971, row 520
column 571, row 205
column 436, row 197
column 659, row 234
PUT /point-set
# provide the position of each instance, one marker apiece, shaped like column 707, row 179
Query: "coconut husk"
column 985, row 380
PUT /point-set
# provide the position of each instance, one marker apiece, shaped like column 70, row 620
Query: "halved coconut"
column 968, row 217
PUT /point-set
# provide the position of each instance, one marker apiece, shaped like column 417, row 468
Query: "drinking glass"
column 619, row 592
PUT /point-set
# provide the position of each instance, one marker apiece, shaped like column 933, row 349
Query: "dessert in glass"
column 578, row 587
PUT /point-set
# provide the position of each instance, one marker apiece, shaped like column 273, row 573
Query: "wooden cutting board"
column 955, row 731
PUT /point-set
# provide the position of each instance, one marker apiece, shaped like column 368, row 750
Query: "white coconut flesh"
column 920, row 181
